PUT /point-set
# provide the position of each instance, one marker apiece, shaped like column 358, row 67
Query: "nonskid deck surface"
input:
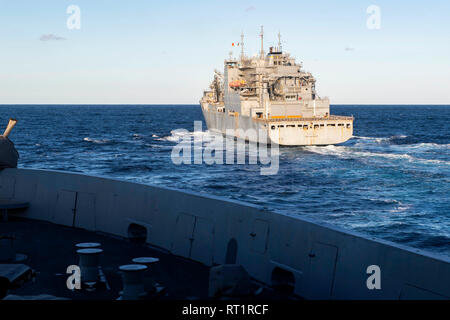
column 50, row 249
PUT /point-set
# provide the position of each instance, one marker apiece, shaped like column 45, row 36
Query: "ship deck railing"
column 307, row 119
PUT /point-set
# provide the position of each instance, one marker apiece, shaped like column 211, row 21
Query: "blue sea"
column 392, row 180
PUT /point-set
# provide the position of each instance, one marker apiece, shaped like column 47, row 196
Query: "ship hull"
column 285, row 132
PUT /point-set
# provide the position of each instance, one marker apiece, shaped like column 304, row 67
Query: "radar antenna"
column 242, row 46
column 279, row 42
column 262, row 42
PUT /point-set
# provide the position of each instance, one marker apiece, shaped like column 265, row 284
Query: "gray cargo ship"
column 272, row 93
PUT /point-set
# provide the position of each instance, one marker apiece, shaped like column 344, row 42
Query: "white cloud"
column 50, row 37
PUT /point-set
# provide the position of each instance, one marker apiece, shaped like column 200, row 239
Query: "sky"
column 165, row 52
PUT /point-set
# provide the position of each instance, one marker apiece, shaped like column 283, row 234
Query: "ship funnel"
column 11, row 124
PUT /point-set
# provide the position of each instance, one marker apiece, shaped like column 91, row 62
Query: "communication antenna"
column 262, row 42
column 279, row 42
column 242, row 45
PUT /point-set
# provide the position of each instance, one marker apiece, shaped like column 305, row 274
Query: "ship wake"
column 345, row 152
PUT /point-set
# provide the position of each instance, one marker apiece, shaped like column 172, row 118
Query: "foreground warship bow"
column 274, row 94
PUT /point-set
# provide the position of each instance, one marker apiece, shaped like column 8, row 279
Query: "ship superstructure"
column 271, row 92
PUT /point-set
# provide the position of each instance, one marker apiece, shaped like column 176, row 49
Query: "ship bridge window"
column 316, row 126
column 281, row 126
column 299, row 125
column 348, row 125
column 322, row 125
column 340, row 125
column 331, row 125
column 272, row 127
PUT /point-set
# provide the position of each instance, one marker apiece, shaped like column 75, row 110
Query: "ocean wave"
column 183, row 135
column 102, row 141
column 385, row 201
column 401, row 208
column 380, row 139
column 349, row 153
column 425, row 146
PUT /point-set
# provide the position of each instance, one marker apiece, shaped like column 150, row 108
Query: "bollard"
column 89, row 261
column 132, row 279
column 149, row 281
column 88, row 245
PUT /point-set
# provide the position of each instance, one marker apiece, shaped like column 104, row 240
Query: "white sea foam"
column 401, row 208
column 423, row 145
column 180, row 134
column 381, row 139
column 426, row 146
column 387, row 201
column 349, row 153
column 96, row 141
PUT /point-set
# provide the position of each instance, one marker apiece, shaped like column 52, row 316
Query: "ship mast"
column 242, row 46
column 279, row 42
column 261, row 85
column 262, row 42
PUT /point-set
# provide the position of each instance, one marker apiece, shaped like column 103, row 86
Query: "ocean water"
column 392, row 180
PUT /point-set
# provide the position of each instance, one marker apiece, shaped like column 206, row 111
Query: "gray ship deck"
column 50, row 249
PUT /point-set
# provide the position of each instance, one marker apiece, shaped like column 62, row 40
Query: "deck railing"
column 307, row 119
